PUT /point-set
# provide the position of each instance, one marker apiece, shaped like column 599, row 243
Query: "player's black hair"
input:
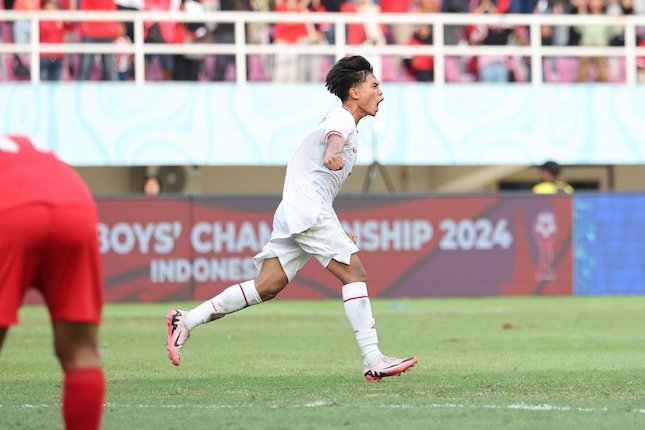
column 346, row 73
column 551, row 167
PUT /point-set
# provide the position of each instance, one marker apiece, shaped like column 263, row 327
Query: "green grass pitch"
column 489, row 363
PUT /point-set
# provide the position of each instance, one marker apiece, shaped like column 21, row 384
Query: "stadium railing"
column 241, row 48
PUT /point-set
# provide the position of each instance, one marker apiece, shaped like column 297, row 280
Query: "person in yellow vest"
column 550, row 184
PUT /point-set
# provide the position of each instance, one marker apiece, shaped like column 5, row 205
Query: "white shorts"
column 325, row 241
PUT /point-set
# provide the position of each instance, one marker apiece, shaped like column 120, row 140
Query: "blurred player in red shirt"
column 48, row 240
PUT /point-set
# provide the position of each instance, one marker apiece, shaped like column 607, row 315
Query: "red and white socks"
column 232, row 299
column 239, row 296
column 359, row 314
column 83, row 396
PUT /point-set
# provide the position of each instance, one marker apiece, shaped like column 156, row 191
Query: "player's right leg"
column 271, row 280
column 72, row 285
column 76, row 347
column 358, row 309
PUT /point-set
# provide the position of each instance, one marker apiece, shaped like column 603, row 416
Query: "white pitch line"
column 328, row 403
column 318, row 404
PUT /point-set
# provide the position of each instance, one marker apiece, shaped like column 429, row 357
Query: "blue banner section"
column 121, row 124
column 609, row 244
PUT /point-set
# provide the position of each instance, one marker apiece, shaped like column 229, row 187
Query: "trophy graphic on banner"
column 545, row 230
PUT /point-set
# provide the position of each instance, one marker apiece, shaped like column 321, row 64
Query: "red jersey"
column 421, row 62
column 53, row 32
column 168, row 28
column 356, row 33
column 19, row 158
column 395, row 6
column 99, row 29
column 289, row 32
column 48, row 235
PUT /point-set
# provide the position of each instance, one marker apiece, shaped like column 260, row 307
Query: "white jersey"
column 309, row 187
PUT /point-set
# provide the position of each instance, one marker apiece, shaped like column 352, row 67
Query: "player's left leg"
column 270, row 281
column 76, row 347
column 268, row 284
column 279, row 261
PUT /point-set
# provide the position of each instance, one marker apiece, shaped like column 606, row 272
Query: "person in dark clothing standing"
column 225, row 33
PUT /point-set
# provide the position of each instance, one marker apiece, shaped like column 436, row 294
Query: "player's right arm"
column 333, row 158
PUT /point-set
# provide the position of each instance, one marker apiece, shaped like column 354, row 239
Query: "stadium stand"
column 550, row 44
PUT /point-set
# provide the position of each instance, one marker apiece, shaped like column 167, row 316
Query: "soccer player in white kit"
column 306, row 225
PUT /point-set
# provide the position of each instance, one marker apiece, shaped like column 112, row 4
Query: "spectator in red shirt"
column 293, row 67
column 290, row 32
column 98, row 32
column 368, row 33
column 421, row 67
column 51, row 64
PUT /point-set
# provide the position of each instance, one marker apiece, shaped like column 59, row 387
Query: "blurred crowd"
column 289, row 67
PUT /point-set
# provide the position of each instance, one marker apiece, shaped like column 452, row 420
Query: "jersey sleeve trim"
column 336, row 132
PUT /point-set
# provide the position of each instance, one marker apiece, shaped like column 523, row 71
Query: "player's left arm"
column 349, row 234
column 332, row 157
